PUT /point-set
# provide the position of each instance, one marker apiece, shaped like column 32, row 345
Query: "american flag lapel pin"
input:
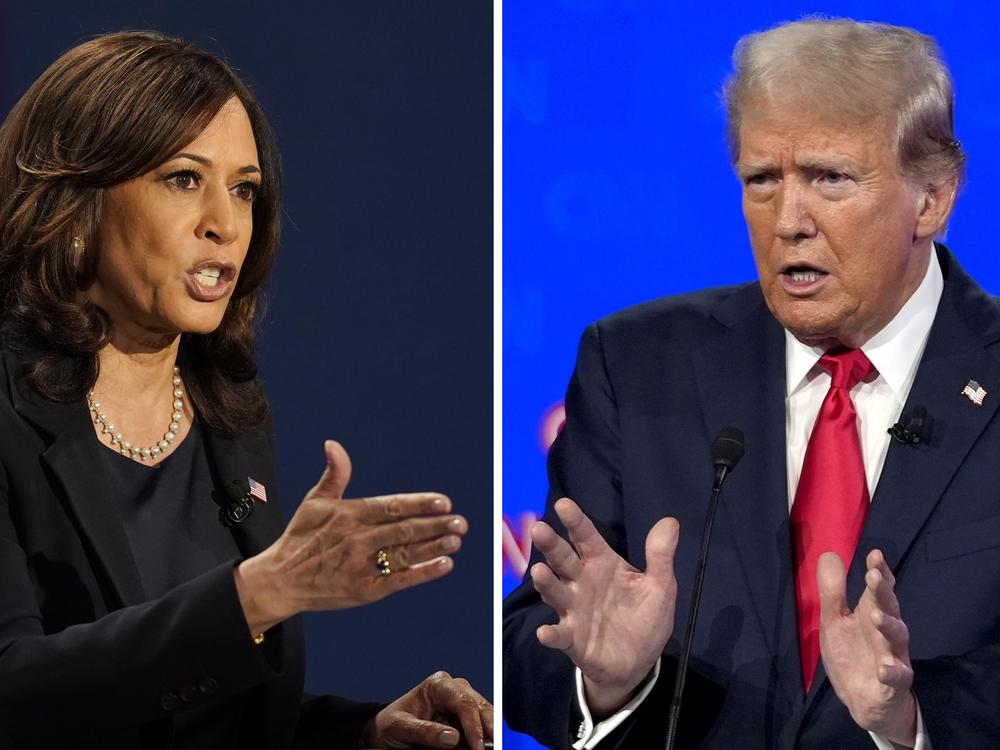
column 974, row 392
column 257, row 489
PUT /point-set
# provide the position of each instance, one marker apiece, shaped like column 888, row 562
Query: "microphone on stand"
column 727, row 450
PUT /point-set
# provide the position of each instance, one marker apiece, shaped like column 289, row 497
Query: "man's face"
column 836, row 229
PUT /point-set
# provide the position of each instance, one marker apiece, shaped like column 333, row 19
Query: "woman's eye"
column 247, row 191
column 186, row 180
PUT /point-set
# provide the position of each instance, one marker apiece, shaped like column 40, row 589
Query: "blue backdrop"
column 617, row 187
column 380, row 324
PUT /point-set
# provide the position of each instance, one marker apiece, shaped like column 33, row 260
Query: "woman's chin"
column 201, row 317
column 203, row 328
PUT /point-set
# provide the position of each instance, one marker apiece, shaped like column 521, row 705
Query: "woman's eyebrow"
column 248, row 169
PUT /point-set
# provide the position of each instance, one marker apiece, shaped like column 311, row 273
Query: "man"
column 842, row 135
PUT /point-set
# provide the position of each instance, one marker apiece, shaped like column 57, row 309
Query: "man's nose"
column 793, row 220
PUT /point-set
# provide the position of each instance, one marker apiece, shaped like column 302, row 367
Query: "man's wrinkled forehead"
column 794, row 128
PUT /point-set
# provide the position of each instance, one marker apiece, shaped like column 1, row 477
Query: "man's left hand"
column 866, row 652
column 438, row 712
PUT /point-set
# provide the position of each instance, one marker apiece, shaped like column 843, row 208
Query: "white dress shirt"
column 895, row 351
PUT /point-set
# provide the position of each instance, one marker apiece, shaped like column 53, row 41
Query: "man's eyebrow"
column 821, row 163
column 204, row 160
column 753, row 167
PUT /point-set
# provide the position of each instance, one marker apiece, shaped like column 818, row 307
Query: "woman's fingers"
column 334, row 480
column 414, row 576
column 413, row 530
column 408, row 555
column 391, row 508
column 458, row 699
column 417, row 719
column 407, row 730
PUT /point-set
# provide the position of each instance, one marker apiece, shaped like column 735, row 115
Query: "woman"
column 149, row 593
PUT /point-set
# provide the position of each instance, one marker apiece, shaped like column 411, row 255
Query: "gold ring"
column 382, row 563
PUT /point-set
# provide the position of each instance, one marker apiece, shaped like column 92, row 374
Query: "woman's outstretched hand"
column 328, row 556
column 439, row 712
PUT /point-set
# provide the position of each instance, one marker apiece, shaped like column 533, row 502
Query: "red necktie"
column 831, row 501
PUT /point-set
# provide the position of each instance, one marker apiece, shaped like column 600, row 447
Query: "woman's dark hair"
column 108, row 111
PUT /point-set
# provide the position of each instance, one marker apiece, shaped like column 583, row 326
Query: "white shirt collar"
column 895, row 350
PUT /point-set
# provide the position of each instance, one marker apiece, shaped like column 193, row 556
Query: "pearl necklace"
column 133, row 451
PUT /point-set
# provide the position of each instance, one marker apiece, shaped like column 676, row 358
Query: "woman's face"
column 172, row 241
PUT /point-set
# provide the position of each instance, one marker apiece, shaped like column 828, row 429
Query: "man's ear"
column 936, row 203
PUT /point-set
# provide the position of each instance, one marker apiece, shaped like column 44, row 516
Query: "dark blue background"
column 617, row 186
column 380, row 324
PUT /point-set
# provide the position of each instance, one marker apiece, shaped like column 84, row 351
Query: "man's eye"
column 758, row 179
column 247, row 191
column 834, row 178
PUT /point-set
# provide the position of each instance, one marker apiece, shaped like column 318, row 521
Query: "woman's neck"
column 135, row 389
column 137, row 368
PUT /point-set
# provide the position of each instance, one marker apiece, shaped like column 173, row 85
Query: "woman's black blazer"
column 86, row 659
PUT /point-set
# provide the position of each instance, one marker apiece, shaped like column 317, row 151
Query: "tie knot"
column 847, row 367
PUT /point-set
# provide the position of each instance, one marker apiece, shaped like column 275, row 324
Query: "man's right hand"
column 614, row 620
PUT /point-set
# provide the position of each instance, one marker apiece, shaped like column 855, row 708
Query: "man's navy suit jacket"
column 652, row 388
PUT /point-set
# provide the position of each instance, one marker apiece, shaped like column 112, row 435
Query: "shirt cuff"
column 923, row 741
column 589, row 734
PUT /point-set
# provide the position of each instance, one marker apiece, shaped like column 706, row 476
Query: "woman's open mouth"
column 210, row 281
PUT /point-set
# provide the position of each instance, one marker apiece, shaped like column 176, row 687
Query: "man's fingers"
column 582, row 532
column 555, row 636
column 894, row 630
column 554, row 592
column 875, row 559
column 832, row 584
column 334, row 480
column 661, row 544
column 896, row 675
column 560, row 555
column 880, row 582
column 392, row 508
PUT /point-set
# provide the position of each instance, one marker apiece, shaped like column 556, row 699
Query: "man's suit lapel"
column 915, row 477
column 741, row 376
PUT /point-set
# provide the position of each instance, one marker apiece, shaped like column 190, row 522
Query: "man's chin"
column 825, row 335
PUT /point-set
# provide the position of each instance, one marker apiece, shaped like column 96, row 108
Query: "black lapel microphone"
column 916, row 430
column 238, row 504
column 727, row 450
